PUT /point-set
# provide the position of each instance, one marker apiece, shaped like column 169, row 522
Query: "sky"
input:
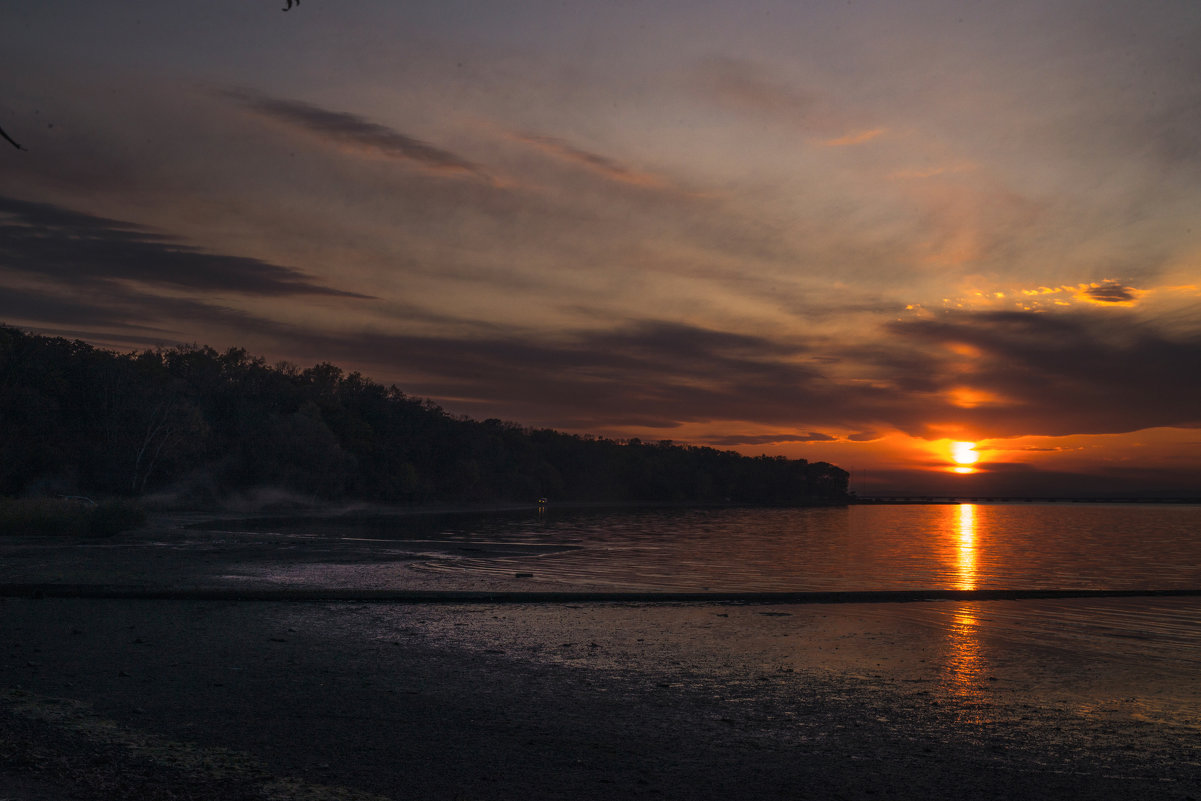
column 858, row 232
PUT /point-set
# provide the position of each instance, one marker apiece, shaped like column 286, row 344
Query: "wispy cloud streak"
column 352, row 132
column 733, row 440
column 856, row 138
column 746, row 87
column 49, row 241
column 598, row 164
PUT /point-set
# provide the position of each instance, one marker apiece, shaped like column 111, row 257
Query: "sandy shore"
column 231, row 700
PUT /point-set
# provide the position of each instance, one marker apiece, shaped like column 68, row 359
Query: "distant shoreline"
column 326, row 594
column 196, row 519
column 874, row 500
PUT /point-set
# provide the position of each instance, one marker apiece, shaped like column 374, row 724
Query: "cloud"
column 1110, row 292
column 1081, row 372
column 857, row 138
column 1046, row 374
column 733, row 440
column 1090, row 370
column 355, row 133
column 31, row 305
column 51, row 242
column 932, row 172
column 748, row 88
column 742, row 85
column 644, row 373
column 598, row 164
column 1101, row 293
column 120, row 312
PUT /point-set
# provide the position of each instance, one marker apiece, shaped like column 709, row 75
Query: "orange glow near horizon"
column 878, row 464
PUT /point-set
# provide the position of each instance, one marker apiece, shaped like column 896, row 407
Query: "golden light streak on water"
column 965, row 555
column 964, row 663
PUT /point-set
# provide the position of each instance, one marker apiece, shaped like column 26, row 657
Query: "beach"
column 112, row 698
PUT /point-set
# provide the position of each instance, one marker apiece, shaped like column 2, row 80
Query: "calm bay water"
column 967, row 546
column 1100, row 659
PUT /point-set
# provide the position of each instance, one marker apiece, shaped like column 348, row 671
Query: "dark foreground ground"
column 174, row 699
column 181, row 700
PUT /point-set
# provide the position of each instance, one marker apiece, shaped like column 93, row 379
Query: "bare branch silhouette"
column 11, row 141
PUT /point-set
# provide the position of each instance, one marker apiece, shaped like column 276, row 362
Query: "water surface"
column 966, row 546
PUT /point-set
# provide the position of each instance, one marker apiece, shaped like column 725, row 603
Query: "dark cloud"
column 52, row 242
column 1082, row 372
column 734, row 440
column 53, row 309
column 1112, row 292
column 1077, row 373
column 1052, row 375
column 351, row 130
column 646, row 374
column 120, row 313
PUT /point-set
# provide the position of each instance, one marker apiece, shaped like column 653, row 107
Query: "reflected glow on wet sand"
column 1121, row 659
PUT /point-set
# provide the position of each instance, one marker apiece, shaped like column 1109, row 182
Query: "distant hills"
column 201, row 425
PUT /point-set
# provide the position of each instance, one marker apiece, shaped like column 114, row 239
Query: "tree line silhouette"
column 190, row 420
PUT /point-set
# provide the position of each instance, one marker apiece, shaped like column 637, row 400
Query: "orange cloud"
column 932, row 172
column 969, row 398
column 1102, row 293
column 857, row 138
column 965, row 350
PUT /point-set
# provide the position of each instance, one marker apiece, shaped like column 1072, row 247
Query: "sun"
column 963, row 453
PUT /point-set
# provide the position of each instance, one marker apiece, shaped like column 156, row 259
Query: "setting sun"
column 963, row 453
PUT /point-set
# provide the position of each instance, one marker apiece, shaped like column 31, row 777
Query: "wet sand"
column 226, row 699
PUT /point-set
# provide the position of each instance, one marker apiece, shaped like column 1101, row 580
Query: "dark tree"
column 77, row 419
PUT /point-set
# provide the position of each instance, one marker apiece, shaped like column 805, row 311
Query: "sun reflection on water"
column 964, row 665
column 965, row 557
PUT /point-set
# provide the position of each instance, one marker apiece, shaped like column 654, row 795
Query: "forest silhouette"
column 201, row 425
